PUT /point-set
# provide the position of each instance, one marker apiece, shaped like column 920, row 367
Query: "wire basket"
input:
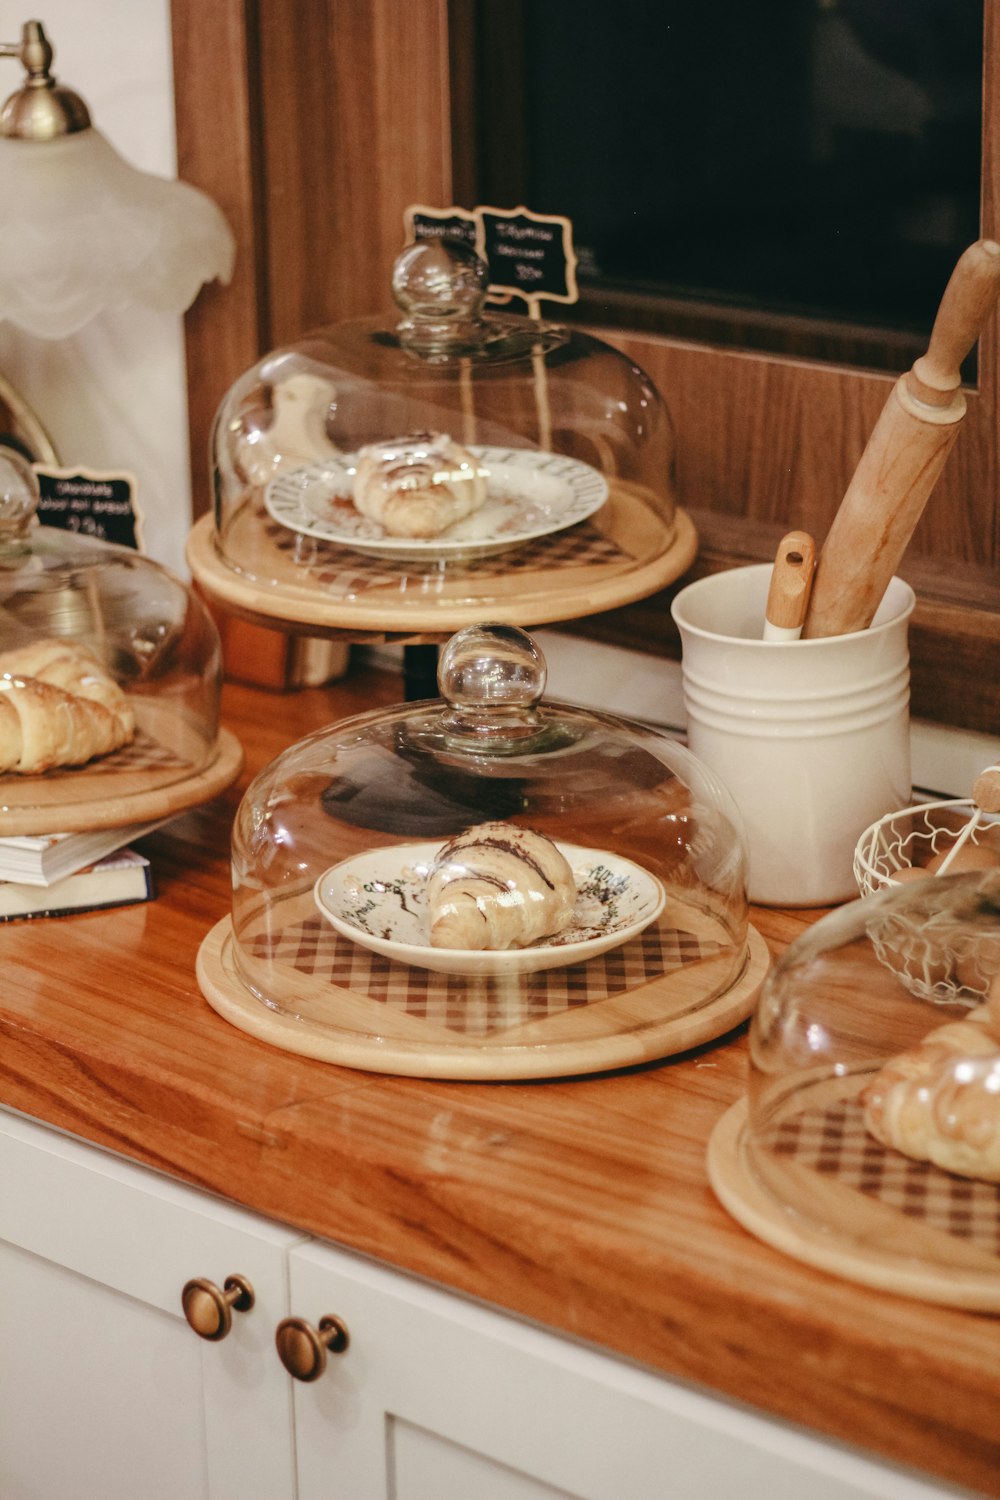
column 934, row 949
column 917, row 837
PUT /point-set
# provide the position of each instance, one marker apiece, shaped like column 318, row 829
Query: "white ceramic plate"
column 528, row 495
column 379, row 900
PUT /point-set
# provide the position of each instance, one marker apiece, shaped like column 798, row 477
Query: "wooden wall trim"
column 356, row 131
column 989, row 354
column 777, row 440
column 214, row 59
column 303, row 123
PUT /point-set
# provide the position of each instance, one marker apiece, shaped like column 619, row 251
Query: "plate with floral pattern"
column 379, row 900
column 529, row 494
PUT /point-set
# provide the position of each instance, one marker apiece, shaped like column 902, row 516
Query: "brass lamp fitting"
column 42, row 108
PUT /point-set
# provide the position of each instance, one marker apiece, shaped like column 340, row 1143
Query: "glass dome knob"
column 440, row 286
column 492, row 677
column 18, row 495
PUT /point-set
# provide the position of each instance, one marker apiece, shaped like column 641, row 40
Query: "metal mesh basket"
column 910, row 838
column 935, row 951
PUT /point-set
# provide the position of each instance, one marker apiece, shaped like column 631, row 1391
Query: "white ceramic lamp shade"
column 82, row 231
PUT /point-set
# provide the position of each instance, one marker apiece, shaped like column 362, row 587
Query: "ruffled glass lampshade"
column 82, row 231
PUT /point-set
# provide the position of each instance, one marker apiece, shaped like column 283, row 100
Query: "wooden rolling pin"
column 905, row 454
column 986, row 799
column 986, row 792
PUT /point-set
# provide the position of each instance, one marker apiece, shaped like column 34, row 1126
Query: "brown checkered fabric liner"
column 480, row 1007
column 343, row 572
column 143, row 754
column 833, row 1141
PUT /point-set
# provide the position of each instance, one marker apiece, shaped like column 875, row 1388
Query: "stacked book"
column 52, row 874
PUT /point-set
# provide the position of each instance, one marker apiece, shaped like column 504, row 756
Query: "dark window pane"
column 799, row 175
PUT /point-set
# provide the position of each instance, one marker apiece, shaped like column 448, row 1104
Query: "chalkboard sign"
column 100, row 505
column 440, row 224
column 529, row 255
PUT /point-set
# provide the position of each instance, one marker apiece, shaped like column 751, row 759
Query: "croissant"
column 497, row 887
column 940, row 1101
column 58, row 707
column 418, row 486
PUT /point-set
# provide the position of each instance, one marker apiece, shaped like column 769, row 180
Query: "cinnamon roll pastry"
column 498, row 886
column 58, row 707
column 418, row 486
column 940, row 1101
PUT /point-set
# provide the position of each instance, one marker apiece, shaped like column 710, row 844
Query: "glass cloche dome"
column 447, row 458
column 869, row 1143
column 110, row 673
column 485, row 885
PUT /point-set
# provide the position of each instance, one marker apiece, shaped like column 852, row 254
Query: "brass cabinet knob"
column 302, row 1350
column 209, row 1311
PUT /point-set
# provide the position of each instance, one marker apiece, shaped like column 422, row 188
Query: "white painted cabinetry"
column 437, row 1398
column 106, row 1393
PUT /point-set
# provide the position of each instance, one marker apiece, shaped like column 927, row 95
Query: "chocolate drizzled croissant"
column 498, row 886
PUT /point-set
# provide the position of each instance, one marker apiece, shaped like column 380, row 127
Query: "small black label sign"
column 440, row 224
column 100, row 505
column 530, row 254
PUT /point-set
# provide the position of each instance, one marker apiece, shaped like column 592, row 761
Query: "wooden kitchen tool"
column 791, row 585
column 985, row 799
column 903, row 458
column 986, row 790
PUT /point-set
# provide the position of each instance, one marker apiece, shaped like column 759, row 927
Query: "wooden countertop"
column 581, row 1203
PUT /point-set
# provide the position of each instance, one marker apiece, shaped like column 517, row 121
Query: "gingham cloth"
column 143, row 753
column 834, row 1142
column 344, row 573
column 480, row 1006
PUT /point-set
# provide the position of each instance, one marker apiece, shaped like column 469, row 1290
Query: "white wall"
column 114, row 395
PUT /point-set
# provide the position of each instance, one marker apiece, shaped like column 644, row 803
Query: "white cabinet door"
column 105, row 1392
column 437, row 1398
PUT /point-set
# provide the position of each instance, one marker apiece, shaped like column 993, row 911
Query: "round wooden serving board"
column 146, row 781
column 274, row 577
column 394, row 1019
column 848, row 1218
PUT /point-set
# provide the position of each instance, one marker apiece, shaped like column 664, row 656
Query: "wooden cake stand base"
column 153, row 778
column 834, row 1197
column 285, row 581
column 344, row 1005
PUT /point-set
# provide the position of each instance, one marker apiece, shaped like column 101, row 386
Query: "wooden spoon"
column 904, row 456
column 791, row 582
